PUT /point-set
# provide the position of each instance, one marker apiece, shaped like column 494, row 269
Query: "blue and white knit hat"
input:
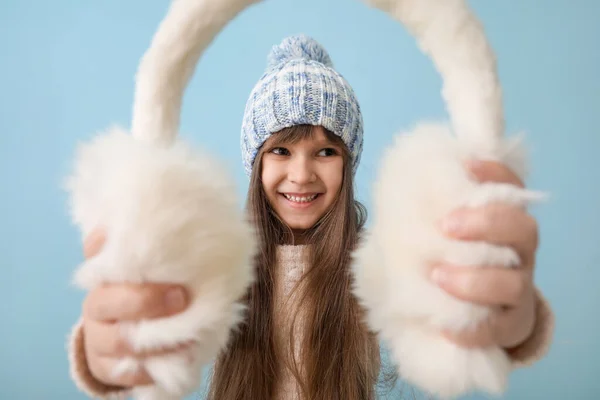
column 300, row 86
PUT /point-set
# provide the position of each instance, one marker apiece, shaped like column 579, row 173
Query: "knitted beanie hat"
column 300, row 86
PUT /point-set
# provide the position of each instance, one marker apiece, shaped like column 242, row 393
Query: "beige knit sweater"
column 291, row 264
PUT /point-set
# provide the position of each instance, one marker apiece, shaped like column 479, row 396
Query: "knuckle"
column 141, row 302
column 518, row 288
column 468, row 284
column 120, row 346
column 496, row 215
column 91, row 308
column 145, row 302
column 134, row 378
column 150, row 300
column 134, row 303
column 128, row 379
column 490, row 217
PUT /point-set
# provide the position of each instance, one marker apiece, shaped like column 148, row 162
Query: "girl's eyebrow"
column 316, row 143
column 325, row 143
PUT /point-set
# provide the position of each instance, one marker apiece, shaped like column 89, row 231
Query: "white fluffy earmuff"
column 171, row 213
column 422, row 177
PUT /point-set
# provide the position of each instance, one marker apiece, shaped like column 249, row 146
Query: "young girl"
column 304, row 334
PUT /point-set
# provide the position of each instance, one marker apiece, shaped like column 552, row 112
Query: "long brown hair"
column 339, row 355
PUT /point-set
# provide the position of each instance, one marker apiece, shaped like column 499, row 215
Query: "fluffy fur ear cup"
column 170, row 212
column 422, row 178
column 171, row 216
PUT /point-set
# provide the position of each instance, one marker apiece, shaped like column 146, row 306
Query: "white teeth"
column 300, row 199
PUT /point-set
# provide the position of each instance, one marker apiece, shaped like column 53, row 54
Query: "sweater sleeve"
column 537, row 345
column 81, row 374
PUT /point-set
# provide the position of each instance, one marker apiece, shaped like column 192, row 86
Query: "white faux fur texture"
column 453, row 38
column 167, row 66
column 171, row 215
column 423, row 178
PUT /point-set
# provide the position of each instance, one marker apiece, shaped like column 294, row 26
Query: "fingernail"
column 175, row 299
column 474, row 163
column 452, row 224
column 438, row 275
column 473, row 168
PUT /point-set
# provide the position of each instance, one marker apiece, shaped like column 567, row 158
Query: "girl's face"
column 302, row 180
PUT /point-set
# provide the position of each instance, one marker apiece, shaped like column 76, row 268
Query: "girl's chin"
column 299, row 223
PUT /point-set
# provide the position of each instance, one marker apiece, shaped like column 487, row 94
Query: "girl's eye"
column 328, row 152
column 280, row 151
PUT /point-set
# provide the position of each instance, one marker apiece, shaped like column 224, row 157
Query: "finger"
column 133, row 302
column 489, row 286
column 109, row 340
column 479, row 337
column 493, row 171
column 513, row 326
column 102, row 368
column 93, row 243
column 499, row 224
column 106, row 339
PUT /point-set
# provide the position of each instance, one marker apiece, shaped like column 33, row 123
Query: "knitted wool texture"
column 300, row 86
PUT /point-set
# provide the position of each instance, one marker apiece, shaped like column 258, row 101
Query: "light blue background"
column 66, row 72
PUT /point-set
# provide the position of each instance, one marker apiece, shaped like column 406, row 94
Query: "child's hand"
column 107, row 305
column 510, row 291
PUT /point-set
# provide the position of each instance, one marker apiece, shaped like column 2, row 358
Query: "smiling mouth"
column 300, row 199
